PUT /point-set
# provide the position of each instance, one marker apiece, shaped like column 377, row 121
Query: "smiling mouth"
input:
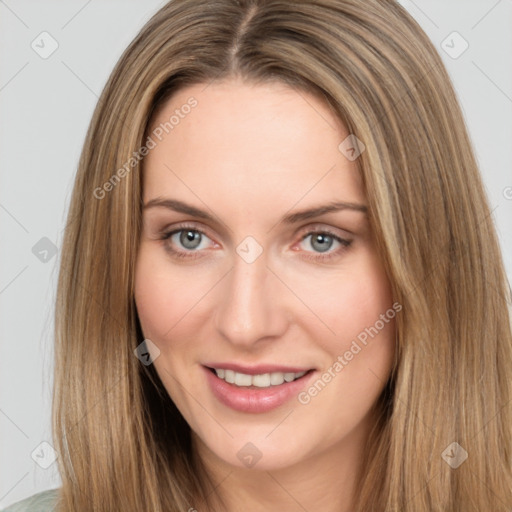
column 262, row 380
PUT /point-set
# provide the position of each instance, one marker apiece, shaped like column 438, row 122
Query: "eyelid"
column 182, row 226
column 301, row 232
column 322, row 227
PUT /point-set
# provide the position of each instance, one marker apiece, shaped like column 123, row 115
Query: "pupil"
column 324, row 242
column 188, row 239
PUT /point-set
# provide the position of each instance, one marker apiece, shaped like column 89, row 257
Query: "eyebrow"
column 291, row 218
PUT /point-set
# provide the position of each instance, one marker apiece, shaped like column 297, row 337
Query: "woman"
column 280, row 287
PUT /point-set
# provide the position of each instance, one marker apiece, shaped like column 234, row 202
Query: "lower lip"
column 252, row 400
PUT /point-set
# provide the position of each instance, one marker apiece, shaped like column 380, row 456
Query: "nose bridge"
column 250, row 306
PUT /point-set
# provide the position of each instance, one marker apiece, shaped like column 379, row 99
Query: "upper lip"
column 258, row 369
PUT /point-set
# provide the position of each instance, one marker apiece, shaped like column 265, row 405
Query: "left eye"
column 322, row 241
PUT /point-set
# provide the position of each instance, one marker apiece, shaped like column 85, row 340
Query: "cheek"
column 160, row 295
column 357, row 306
column 353, row 299
column 368, row 346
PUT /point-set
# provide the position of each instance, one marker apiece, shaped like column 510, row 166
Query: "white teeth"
column 263, row 380
column 241, row 379
column 276, row 378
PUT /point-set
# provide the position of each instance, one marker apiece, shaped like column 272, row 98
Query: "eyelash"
column 345, row 244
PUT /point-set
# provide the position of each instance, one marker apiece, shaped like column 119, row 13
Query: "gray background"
column 46, row 105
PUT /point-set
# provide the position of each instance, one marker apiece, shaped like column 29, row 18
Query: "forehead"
column 243, row 145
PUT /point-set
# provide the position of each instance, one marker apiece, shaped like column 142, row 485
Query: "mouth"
column 255, row 390
column 259, row 380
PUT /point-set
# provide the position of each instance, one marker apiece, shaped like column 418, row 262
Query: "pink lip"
column 258, row 369
column 252, row 399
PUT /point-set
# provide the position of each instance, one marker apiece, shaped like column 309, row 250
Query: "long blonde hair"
column 123, row 445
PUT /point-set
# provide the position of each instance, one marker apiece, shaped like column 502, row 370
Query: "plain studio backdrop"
column 55, row 58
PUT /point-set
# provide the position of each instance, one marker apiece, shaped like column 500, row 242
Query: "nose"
column 251, row 305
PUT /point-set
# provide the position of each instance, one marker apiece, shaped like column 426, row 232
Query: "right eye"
column 185, row 242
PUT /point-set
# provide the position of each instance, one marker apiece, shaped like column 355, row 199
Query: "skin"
column 249, row 155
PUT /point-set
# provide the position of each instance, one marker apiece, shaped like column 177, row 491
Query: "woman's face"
column 245, row 268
